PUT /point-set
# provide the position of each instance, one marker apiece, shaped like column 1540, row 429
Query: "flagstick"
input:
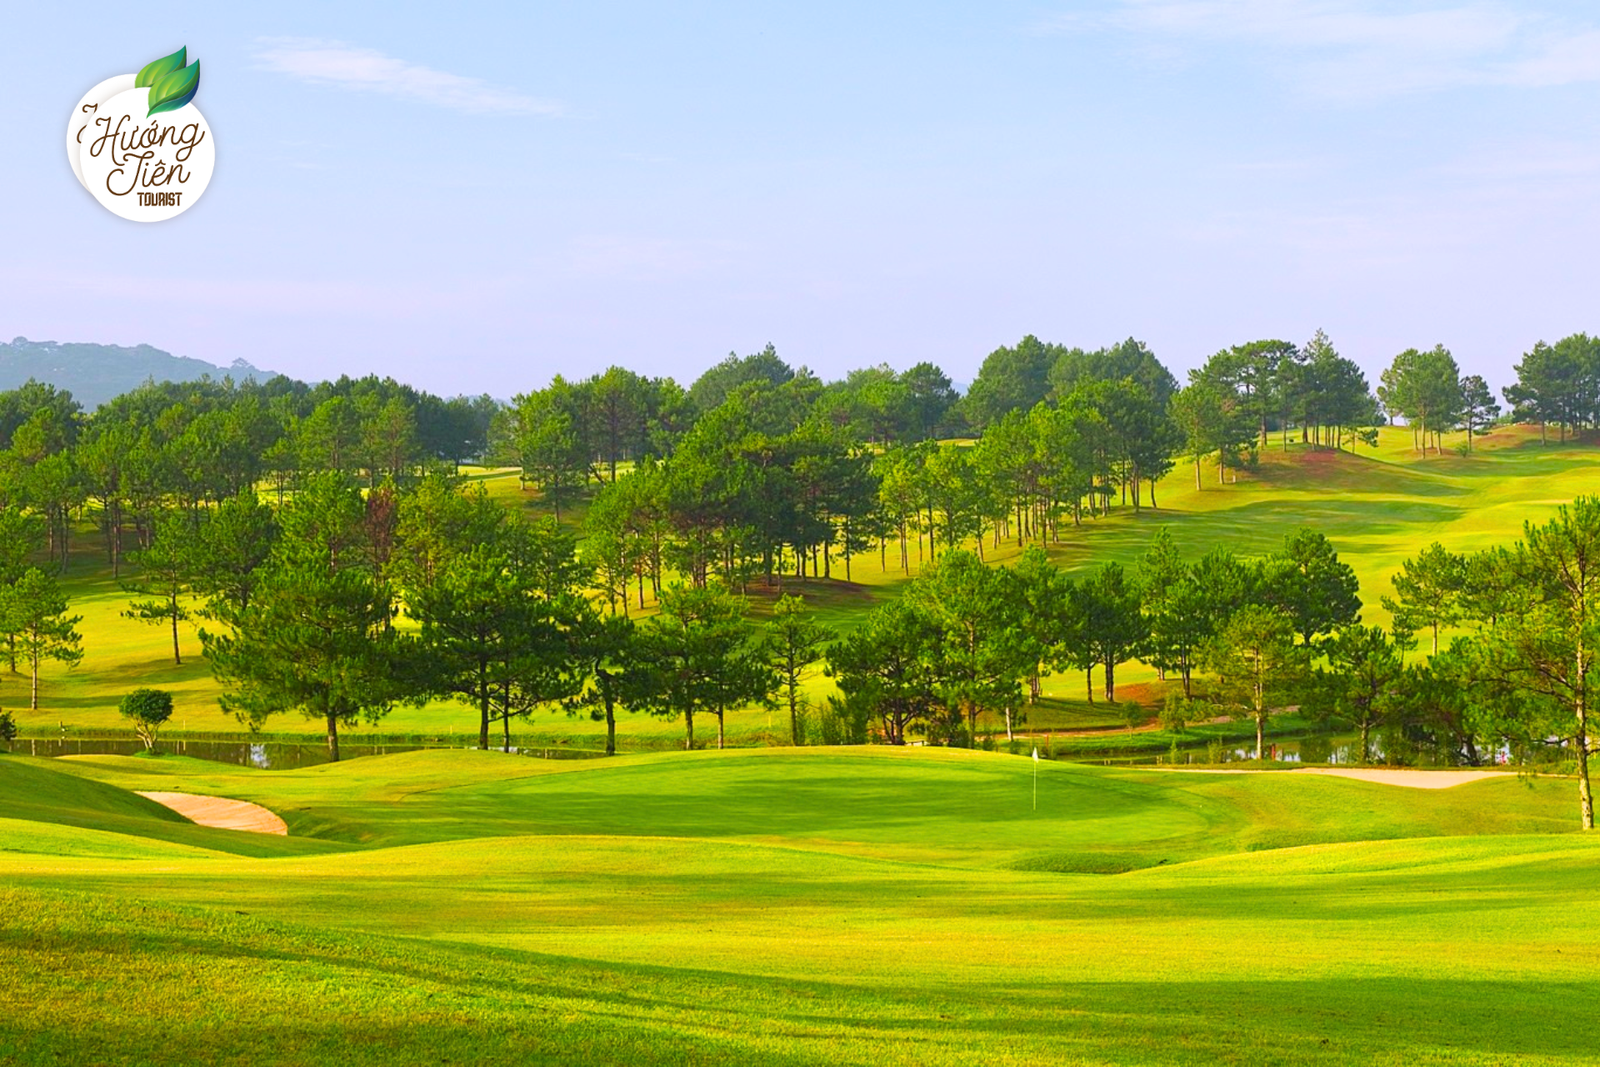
column 1036, row 779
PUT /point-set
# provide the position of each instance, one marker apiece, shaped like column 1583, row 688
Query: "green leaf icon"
column 174, row 89
column 153, row 72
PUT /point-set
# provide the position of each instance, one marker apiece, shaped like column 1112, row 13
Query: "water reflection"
column 1332, row 749
column 265, row 755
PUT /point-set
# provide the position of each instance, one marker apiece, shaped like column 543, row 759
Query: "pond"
column 266, row 755
column 1315, row 748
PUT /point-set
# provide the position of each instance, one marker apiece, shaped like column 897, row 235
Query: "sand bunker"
column 1413, row 779
column 1381, row 775
column 222, row 813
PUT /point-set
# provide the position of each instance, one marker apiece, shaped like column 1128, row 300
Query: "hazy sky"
column 472, row 197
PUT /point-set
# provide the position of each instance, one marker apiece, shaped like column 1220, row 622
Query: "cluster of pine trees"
column 304, row 606
column 757, row 471
column 344, row 601
column 185, row 446
column 1559, row 384
column 968, row 639
column 777, row 467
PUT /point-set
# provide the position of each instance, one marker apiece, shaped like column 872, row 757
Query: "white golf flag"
column 1036, row 755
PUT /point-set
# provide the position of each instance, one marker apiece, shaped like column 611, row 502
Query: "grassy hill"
column 789, row 907
column 1378, row 507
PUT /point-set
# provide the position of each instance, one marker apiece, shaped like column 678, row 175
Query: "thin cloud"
column 645, row 258
column 334, row 63
column 1566, row 60
column 1358, row 48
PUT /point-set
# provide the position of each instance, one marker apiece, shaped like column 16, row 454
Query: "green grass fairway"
column 785, row 907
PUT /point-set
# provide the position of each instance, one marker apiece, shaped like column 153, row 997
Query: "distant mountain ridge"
column 95, row 373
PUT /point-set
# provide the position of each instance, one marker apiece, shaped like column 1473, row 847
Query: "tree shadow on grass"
column 1330, row 472
column 1251, row 529
column 1525, row 460
column 409, row 998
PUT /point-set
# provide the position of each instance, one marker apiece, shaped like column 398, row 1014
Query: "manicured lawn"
column 770, row 906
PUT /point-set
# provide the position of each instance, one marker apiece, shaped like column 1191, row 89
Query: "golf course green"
column 790, row 906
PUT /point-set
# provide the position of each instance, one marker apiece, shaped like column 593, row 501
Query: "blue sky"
column 474, row 197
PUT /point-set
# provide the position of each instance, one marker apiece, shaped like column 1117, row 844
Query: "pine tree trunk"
column 1585, row 797
column 483, row 708
column 333, row 738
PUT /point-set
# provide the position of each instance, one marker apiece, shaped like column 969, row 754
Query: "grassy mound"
column 953, row 807
column 38, row 793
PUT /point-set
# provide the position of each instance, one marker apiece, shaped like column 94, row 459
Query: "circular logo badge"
column 143, row 166
column 84, row 114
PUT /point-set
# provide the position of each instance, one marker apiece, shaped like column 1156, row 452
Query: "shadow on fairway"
column 147, row 983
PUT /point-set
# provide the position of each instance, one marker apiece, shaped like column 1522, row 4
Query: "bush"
column 1177, row 712
column 149, row 709
column 8, row 727
column 842, row 723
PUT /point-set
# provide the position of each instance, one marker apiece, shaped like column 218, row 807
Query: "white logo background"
column 177, row 157
column 83, row 116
